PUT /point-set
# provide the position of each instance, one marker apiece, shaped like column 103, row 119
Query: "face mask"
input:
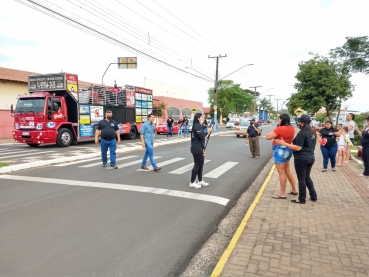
column 109, row 117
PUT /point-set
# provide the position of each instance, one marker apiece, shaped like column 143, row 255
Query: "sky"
column 272, row 35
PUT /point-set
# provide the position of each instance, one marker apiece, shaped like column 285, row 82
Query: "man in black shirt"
column 170, row 122
column 252, row 138
column 109, row 131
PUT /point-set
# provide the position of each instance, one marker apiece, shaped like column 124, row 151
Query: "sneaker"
column 203, row 183
column 144, row 167
column 104, row 165
column 195, row 186
column 156, row 169
column 114, row 166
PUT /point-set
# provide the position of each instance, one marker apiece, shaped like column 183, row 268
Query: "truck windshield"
column 28, row 105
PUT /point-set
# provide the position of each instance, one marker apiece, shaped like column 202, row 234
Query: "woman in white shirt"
column 350, row 124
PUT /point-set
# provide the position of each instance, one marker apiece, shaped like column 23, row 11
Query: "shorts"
column 281, row 154
column 342, row 147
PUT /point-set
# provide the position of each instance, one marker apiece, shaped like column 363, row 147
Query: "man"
column 252, row 138
column 147, row 135
column 170, row 122
column 185, row 127
column 109, row 132
column 205, row 126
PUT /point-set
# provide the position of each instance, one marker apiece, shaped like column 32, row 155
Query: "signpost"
column 215, row 117
column 298, row 112
column 123, row 63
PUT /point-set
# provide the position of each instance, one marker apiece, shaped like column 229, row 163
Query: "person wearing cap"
column 252, row 138
column 364, row 134
column 109, row 131
column 303, row 146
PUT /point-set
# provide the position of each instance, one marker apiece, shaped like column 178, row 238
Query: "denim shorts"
column 281, row 154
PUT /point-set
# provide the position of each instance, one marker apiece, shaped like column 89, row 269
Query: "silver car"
column 241, row 129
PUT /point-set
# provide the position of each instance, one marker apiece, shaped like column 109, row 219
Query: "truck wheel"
column 65, row 138
column 238, row 136
column 33, row 145
column 132, row 133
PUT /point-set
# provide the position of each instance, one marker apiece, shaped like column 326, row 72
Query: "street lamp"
column 345, row 106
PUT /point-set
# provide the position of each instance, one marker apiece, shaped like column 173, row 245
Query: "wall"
column 163, row 89
column 9, row 92
column 6, row 124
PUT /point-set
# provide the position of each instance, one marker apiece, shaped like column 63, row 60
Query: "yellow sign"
column 193, row 110
column 299, row 111
column 138, row 119
column 72, row 87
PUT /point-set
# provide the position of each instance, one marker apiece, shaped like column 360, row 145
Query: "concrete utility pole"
column 277, row 103
column 216, row 89
column 255, row 97
column 270, row 95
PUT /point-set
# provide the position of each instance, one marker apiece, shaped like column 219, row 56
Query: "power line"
column 89, row 30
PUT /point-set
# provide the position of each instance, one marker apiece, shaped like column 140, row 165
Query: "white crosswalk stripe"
column 11, row 151
column 220, row 170
column 22, row 155
column 185, row 168
column 100, row 163
column 135, row 162
column 162, row 164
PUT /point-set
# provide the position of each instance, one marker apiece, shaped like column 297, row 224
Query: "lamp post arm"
column 235, row 71
column 102, row 78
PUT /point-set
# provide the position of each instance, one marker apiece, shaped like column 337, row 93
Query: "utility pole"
column 270, row 95
column 255, row 97
column 277, row 104
column 216, row 89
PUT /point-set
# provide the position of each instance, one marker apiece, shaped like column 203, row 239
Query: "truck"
column 57, row 110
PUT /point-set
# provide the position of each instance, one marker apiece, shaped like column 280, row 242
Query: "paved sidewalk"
column 329, row 237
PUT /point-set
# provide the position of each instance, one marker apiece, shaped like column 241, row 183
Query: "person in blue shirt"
column 147, row 135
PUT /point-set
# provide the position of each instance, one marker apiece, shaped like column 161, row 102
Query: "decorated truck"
column 57, row 110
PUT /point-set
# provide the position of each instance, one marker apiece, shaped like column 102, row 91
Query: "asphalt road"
column 81, row 219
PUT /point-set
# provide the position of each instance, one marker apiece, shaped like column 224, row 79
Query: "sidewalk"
column 329, row 237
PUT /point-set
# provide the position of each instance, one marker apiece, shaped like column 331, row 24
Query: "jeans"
column 204, row 130
column 198, row 166
column 329, row 153
column 180, row 131
column 149, row 153
column 303, row 168
column 185, row 131
column 112, row 145
column 169, row 131
column 365, row 158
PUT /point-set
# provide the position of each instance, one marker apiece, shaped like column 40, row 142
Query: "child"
column 339, row 127
column 342, row 145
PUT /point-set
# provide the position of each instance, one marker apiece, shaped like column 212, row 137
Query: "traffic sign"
column 298, row 111
column 215, row 107
column 193, row 110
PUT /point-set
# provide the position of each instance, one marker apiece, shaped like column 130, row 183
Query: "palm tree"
column 264, row 104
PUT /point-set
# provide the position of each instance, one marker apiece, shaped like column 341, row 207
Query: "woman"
column 328, row 144
column 198, row 151
column 303, row 147
column 365, row 144
column 282, row 154
column 350, row 124
column 180, row 127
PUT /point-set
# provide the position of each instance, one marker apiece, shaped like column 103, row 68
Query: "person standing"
column 180, row 127
column 198, row 151
column 303, row 146
column 205, row 126
column 282, row 155
column 147, row 135
column 350, row 124
column 252, row 138
column 170, row 122
column 328, row 144
column 364, row 134
column 109, row 132
column 185, row 127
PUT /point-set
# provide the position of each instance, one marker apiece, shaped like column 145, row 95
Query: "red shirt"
column 285, row 132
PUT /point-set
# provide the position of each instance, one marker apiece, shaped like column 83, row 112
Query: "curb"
column 12, row 168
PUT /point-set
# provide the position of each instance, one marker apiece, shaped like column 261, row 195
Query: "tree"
column 320, row 84
column 159, row 108
column 231, row 99
column 264, row 104
column 321, row 117
column 354, row 54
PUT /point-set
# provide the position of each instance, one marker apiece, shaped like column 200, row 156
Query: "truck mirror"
column 55, row 107
column 11, row 108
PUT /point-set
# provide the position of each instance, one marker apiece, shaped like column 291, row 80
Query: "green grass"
column 354, row 147
column 2, row 164
column 360, row 166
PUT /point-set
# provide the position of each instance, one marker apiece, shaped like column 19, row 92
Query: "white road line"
column 166, row 192
column 185, row 168
column 135, row 162
column 10, row 151
column 93, row 159
column 22, row 155
column 162, row 164
column 220, row 170
column 100, row 162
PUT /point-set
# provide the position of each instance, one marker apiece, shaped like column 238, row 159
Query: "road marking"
column 185, row 168
column 162, row 164
column 135, row 162
column 100, row 162
column 17, row 151
column 220, row 170
column 153, row 190
column 22, row 155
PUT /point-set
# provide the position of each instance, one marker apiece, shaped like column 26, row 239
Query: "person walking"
column 303, row 146
column 282, row 155
column 350, row 124
column 180, row 127
column 328, row 144
column 170, row 122
column 147, row 135
column 185, row 127
column 364, row 134
column 198, row 151
column 109, row 131
column 343, row 140
column 252, row 138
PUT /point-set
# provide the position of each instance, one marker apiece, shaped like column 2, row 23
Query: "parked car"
column 162, row 128
column 190, row 123
column 230, row 124
column 241, row 129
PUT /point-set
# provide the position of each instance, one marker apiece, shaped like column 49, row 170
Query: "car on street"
column 162, row 128
column 241, row 129
column 230, row 124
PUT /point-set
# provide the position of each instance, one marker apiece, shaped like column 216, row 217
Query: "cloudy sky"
column 272, row 35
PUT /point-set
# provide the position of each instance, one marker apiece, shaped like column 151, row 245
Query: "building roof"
column 14, row 75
